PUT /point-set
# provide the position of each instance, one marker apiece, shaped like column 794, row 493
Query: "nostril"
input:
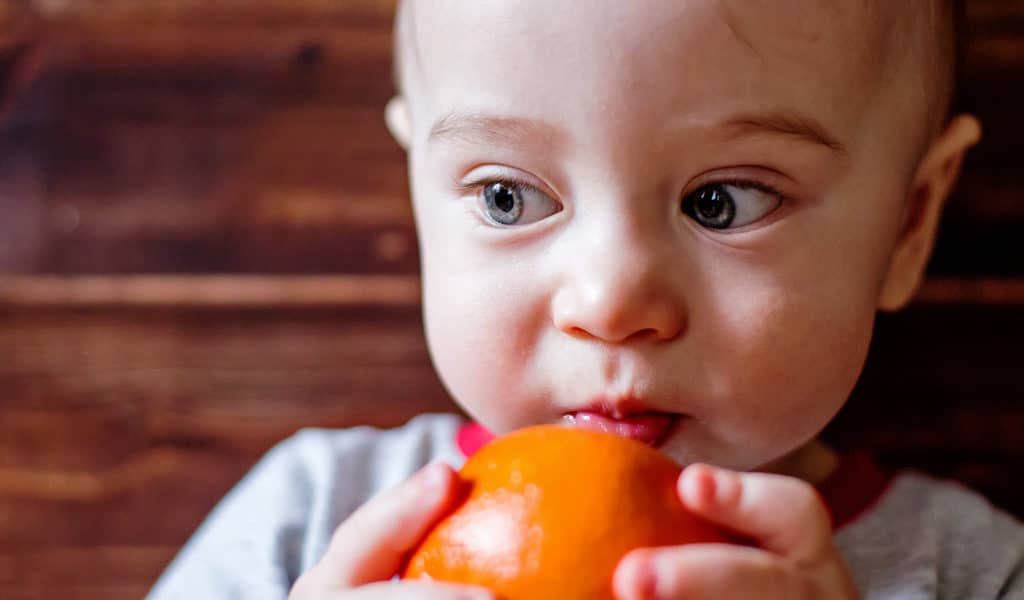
column 644, row 335
column 637, row 337
column 579, row 333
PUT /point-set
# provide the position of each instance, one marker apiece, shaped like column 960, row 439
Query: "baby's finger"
column 706, row 571
column 371, row 544
column 782, row 514
column 415, row 590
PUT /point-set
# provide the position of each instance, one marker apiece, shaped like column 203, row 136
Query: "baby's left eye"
column 730, row 205
column 515, row 203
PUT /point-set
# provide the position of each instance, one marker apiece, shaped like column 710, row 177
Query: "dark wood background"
column 205, row 244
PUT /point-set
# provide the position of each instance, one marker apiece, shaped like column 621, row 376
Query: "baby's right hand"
column 368, row 548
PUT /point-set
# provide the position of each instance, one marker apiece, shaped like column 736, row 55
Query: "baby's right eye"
column 508, row 203
column 725, row 205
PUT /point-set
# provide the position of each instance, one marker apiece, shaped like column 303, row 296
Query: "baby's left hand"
column 792, row 557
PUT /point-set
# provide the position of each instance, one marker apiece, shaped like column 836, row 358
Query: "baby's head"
column 690, row 210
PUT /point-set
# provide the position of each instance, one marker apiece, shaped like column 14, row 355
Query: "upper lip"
column 617, row 407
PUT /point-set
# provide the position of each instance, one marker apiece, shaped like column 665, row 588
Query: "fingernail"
column 645, row 577
column 701, row 489
column 710, row 484
column 699, row 486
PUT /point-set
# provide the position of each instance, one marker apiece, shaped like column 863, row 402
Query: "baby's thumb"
column 781, row 514
column 371, row 544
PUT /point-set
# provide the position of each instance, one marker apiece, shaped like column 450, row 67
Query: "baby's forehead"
column 835, row 53
column 604, row 61
column 767, row 26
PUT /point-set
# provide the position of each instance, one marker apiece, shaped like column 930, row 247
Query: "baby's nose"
column 619, row 296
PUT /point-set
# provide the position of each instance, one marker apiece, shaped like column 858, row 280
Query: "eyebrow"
column 486, row 129
column 787, row 124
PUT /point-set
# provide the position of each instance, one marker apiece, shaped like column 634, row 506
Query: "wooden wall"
column 205, row 244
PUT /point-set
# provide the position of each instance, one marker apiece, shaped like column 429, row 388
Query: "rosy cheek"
column 482, row 336
column 785, row 363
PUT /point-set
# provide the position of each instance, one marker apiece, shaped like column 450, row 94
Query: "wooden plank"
column 312, row 291
column 950, row 290
column 316, row 62
column 110, row 573
column 19, row 61
column 994, row 15
column 202, row 12
column 228, row 291
column 115, row 380
column 18, row 24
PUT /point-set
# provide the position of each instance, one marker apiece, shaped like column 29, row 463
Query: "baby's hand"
column 784, row 517
column 368, row 548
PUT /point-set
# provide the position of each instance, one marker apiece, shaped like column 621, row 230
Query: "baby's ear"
column 933, row 182
column 396, row 115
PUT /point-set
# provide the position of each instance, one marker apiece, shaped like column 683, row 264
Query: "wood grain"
column 207, row 291
column 206, row 244
column 334, row 291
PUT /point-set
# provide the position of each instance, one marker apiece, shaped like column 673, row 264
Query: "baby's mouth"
column 650, row 427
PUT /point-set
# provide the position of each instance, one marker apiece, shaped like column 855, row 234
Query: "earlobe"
column 396, row 116
column 933, row 182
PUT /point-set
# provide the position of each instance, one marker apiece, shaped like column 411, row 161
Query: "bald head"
column 925, row 36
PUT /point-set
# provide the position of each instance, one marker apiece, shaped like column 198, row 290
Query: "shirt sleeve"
column 278, row 520
column 983, row 549
column 249, row 546
column 927, row 538
column 1014, row 587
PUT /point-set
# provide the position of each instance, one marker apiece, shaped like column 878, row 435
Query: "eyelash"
column 743, row 184
column 518, row 185
column 510, row 182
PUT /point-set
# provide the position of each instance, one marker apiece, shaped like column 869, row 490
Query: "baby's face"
column 671, row 218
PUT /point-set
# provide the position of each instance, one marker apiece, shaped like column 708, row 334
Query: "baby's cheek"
column 460, row 352
column 787, row 363
column 480, row 333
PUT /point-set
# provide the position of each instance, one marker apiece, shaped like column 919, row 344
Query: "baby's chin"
column 687, row 446
column 691, row 443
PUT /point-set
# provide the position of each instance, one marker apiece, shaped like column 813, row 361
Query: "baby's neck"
column 812, row 462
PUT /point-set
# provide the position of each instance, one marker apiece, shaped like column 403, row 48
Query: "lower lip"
column 650, row 428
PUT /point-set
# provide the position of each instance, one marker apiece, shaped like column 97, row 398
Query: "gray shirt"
column 922, row 538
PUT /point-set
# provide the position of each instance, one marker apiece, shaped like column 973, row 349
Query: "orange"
column 552, row 510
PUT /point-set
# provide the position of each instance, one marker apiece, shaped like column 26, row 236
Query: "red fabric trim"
column 471, row 437
column 855, row 485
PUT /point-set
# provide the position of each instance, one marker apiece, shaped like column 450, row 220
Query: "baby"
column 674, row 221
